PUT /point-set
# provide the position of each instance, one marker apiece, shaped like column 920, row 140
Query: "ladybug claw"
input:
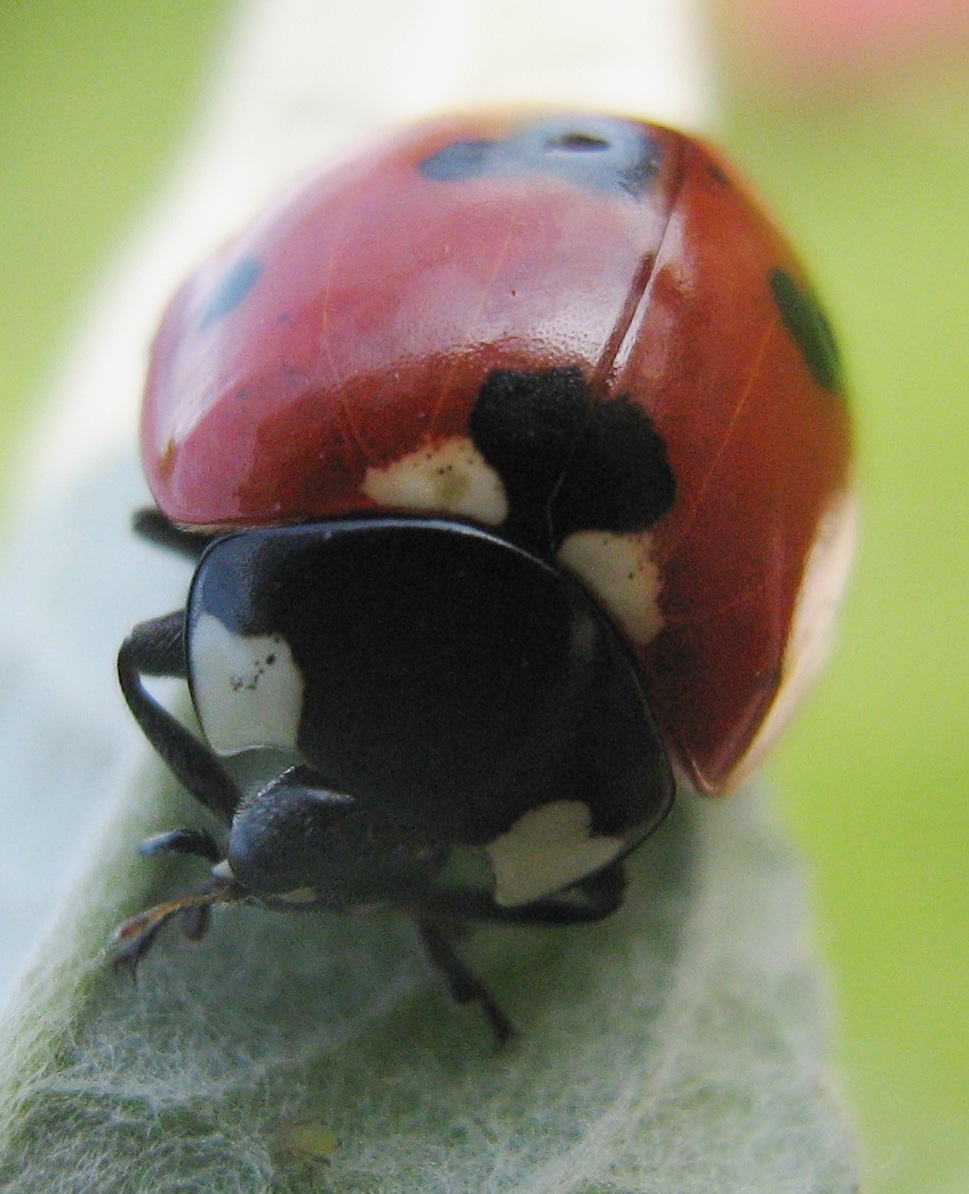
column 194, row 922
column 129, row 957
column 137, row 936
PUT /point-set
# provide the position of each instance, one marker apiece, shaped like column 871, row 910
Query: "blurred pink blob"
column 840, row 41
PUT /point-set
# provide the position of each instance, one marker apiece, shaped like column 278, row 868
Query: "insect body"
column 515, row 459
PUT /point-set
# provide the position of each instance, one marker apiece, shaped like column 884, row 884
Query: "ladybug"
column 515, row 460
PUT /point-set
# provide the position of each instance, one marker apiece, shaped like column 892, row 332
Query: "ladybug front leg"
column 590, row 899
column 154, row 526
column 157, row 648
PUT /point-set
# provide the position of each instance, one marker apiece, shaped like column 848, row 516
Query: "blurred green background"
column 873, row 183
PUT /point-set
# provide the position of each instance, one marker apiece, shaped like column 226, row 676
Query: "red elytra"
column 355, row 322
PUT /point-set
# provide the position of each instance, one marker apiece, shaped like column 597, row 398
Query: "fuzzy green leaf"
column 675, row 1048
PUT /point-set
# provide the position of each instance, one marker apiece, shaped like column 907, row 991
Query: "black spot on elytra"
column 230, row 291
column 567, row 463
column 809, row 327
column 596, row 153
column 462, row 159
column 619, row 478
column 527, row 425
column 716, row 172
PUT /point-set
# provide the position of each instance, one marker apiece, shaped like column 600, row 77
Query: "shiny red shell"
column 355, row 322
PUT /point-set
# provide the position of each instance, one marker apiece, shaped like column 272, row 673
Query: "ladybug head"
column 294, row 841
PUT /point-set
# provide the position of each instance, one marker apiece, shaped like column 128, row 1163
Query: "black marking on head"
column 566, row 463
column 809, row 327
column 595, row 153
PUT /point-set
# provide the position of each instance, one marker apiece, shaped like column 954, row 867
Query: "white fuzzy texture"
column 677, row 1048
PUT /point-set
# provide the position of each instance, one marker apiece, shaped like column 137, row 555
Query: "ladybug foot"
column 464, row 986
column 137, row 936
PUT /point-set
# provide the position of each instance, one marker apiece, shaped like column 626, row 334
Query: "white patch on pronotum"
column 812, row 625
column 547, row 849
column 619, row 571
column 450, row 476
column 248, row 690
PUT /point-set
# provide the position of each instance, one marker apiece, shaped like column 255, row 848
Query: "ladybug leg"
column 157, row 648
column 445, row 912
column 137, row 936
column 602, row 893
column 154, row 526
column 589, row 900
column 183, row 841
column 194, row 921
column 464, row 985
